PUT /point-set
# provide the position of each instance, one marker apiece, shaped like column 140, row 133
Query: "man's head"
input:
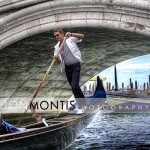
column 59, row 34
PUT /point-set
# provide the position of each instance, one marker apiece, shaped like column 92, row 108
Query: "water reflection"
column 115, row 131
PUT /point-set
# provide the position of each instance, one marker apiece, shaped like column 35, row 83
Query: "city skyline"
column 137, row 69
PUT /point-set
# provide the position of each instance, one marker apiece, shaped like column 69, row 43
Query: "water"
column 115, row 131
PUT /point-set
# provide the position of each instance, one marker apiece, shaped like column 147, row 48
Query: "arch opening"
column 24, row 63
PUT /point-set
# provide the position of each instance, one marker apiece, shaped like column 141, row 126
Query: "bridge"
column 115, row 31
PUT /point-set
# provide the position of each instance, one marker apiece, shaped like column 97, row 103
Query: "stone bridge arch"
column 25, row 19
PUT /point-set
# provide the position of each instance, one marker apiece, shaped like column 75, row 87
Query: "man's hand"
column 68, row 34
column 56, row 57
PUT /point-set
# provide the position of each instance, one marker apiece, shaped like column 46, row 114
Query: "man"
column 70, row 59
column 6, row 128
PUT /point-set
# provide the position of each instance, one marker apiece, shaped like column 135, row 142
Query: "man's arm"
column 77, row 35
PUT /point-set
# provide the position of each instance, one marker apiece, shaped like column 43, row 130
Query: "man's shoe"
column 80, row 111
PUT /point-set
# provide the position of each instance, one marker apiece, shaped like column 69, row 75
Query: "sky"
column 137, row 69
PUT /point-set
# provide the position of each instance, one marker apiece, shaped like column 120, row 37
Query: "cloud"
column 145, row 66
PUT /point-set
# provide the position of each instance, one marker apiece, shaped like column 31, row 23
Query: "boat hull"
column 52, row 137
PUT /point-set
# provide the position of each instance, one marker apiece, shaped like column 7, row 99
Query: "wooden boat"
column 57, row 134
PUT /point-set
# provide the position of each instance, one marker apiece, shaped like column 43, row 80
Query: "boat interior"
column 54, row 121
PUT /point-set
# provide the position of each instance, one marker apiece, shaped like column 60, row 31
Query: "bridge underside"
column 23, row 64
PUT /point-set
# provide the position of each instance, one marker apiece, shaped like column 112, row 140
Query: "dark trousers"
column 73, row 77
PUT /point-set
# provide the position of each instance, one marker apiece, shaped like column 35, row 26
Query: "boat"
column 59, row 133
column 55, row 133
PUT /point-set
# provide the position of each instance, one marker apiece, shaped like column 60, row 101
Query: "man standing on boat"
column 70, row 59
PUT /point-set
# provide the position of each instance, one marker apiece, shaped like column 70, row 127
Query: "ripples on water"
column 115, row 131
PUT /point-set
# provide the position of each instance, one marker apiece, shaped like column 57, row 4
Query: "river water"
column 110, row 131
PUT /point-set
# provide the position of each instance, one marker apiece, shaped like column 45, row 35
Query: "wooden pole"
column 42, row 82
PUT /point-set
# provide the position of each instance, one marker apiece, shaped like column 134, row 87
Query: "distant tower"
column 131, row 84
column 149, row 82
column 144, row 86
column 123, row 85
column 136, row 86
column 85, row 89
column 90, row 89
column 107, row 86
column 149, row 86
column 93, row 89
column 116, row 82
